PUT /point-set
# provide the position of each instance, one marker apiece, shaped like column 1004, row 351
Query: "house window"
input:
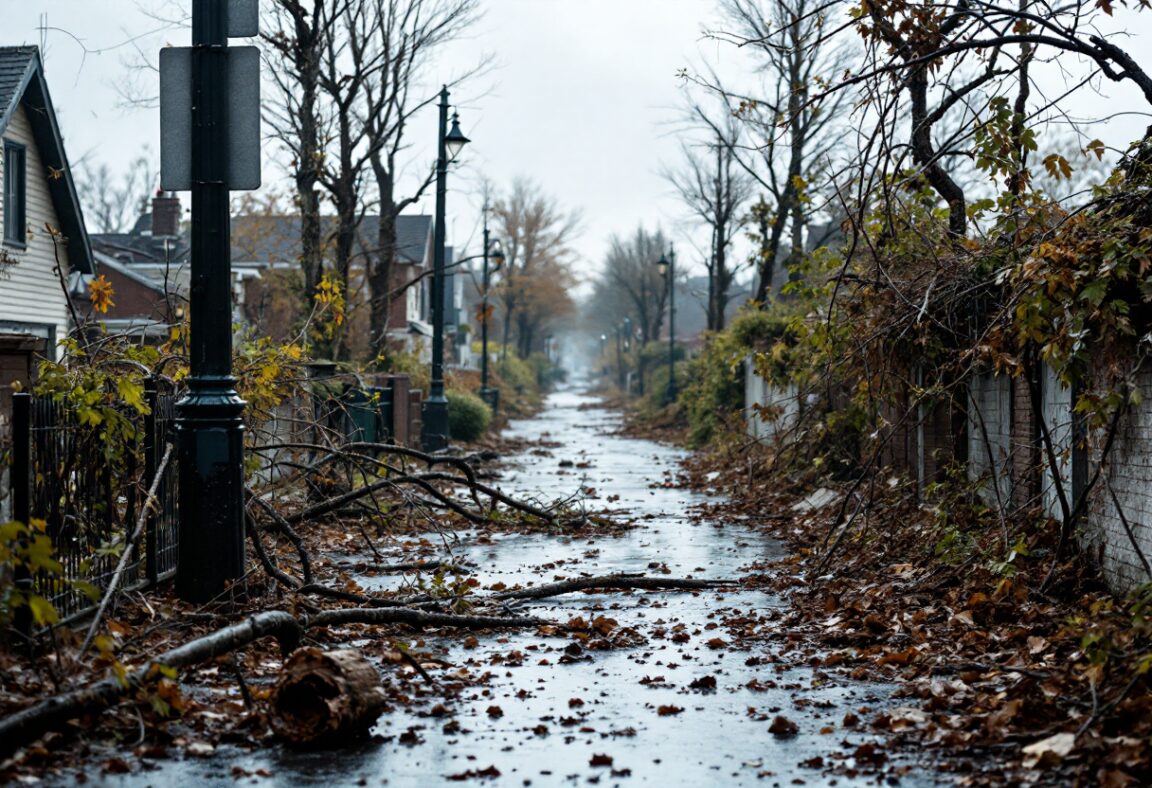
column 15, row 213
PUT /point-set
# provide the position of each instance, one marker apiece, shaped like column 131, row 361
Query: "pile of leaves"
column 1006, row 682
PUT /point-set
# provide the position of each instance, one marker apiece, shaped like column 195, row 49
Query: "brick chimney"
column 166, row 213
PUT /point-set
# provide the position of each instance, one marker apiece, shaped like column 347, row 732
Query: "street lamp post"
column 434, row 435
column 209, row 428
column 667, row 267
column 493, row 251
column 620, row 356
column 627, row 349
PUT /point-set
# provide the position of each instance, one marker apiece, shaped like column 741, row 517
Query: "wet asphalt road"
column 556, row 719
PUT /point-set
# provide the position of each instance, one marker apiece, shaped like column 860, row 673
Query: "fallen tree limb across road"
column 29, row 724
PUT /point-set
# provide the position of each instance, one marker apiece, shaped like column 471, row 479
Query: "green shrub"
column 407, row 362
column 468, row 415
column 714, row 391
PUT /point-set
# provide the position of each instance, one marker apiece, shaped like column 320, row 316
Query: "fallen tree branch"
column 29, row 724
column 606, row 582
column 141, row 521
column 273, row 571
column 418, row 618
column 286, row 529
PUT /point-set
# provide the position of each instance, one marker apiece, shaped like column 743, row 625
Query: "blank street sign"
column 243, row 91
column 243, row 18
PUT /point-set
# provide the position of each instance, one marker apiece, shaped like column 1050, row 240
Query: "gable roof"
column 22, row 83
column 277, row 238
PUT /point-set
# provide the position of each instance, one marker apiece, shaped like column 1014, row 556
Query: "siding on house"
column 30, row 291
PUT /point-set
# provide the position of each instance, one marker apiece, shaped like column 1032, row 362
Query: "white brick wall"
column 1057, row 410
column 990, row 414
column 757, row 391
column 1129, row 471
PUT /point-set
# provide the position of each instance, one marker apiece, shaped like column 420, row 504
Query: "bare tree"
column 407, row 35
column 297, row 116
column 792, row 125
column 631, row 283
column 715, row 187
column 534, row 282
column 113, row 204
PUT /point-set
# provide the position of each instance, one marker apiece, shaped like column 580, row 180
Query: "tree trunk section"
column 324, row 697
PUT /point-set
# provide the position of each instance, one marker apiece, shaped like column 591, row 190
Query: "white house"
column 39, row 208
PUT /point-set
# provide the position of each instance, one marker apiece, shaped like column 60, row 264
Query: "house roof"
column 22, row 83
column 140, row 246
column 131, row 272
column 277, row 238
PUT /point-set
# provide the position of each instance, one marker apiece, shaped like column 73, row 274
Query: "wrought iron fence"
column 89, row 497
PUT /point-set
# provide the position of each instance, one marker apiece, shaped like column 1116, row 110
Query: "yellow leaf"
column 42, row 610
column 100, row 294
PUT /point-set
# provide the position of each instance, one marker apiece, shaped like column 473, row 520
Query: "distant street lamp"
column 494, row 252
column 434, row 435
column 667, row 268
column 620, row 355
column 627, row 349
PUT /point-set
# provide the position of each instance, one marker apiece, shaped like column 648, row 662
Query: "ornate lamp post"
column 493, row 252
column 435, row 432
column 667, row 268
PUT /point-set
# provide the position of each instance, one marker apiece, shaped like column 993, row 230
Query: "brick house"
column 273, row 241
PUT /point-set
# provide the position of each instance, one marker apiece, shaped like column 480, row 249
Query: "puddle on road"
column 555, row 718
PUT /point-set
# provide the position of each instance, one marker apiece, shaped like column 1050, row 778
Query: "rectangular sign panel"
column 243, row 18
column 243, row 90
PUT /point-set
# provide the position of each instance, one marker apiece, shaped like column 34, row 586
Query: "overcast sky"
column 583, row 99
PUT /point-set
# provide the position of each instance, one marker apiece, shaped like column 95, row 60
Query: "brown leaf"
column 704, row 683
column 471, row 774
column 600, row 760
column 782, row 726
column 667, row 711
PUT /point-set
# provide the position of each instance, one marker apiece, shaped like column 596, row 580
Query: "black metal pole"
column 209, row 428
column 435, row 432
column 619, row 357
column 671, row 393
column 485, row 392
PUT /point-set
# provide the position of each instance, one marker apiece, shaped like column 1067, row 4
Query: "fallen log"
column 606, row 582
column 324, row 697
column 418, row 618
column 29, row 724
